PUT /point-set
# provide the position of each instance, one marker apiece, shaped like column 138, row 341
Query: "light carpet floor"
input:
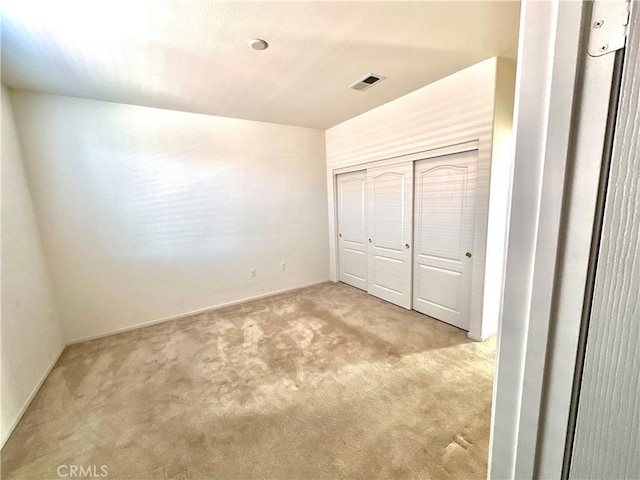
column 326, row 382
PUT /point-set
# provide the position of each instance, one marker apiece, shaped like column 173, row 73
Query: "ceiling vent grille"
column 366, row 82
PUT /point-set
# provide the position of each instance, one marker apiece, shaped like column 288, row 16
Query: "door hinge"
column 608, row 28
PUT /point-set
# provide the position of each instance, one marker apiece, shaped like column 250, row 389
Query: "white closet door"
column 444, row 222
column 352, row 234
column 389, row 221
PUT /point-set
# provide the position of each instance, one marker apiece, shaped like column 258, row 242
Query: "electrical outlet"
column 252, row 272
column 283, row 266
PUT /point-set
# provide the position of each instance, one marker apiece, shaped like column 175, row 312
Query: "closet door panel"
column 444, row 223
column 352, row 245
column 389, row 220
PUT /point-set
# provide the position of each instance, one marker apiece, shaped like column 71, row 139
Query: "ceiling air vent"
column 367, row 82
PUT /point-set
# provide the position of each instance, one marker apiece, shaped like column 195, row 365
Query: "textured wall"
column 149, row 213
column 608, row 426
column 31, row 331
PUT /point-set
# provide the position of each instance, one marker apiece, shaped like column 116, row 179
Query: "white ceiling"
column 193, row 55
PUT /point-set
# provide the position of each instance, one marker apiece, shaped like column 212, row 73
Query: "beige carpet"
column 323, row 383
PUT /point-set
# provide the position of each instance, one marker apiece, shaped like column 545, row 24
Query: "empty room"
column 248, row 239
column 263, row 239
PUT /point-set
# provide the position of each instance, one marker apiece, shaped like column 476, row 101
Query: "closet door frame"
column 476, row 331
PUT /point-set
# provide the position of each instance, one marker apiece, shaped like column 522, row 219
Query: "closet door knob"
column 406, row 245
column 369, row 240
column 340, row 235
column 468, row 254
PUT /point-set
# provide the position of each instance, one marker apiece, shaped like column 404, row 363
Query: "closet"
column 406, row 233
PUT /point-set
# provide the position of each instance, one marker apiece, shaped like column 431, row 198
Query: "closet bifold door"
column 444, row 223
column 352, row 233
column 390, row 225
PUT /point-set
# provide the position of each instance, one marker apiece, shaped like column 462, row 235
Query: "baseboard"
column 194, row 312
column 477, row 338
column 30, row 398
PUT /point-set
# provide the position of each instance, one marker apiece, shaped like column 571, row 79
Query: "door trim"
column 560, row 121
column 413, row 157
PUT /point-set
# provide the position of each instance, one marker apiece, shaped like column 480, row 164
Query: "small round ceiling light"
column 258, row 44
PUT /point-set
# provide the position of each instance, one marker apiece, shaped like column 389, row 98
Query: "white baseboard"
column 478, row 338
column 30, row 398
column 194, row 312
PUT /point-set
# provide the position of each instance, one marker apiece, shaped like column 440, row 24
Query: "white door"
column 444, row 225
column 389, row 222
column 352, row 234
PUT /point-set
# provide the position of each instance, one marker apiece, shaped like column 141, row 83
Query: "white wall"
column 149, row 213
column 31, row 335
column 499, row 194
column 454, row 110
